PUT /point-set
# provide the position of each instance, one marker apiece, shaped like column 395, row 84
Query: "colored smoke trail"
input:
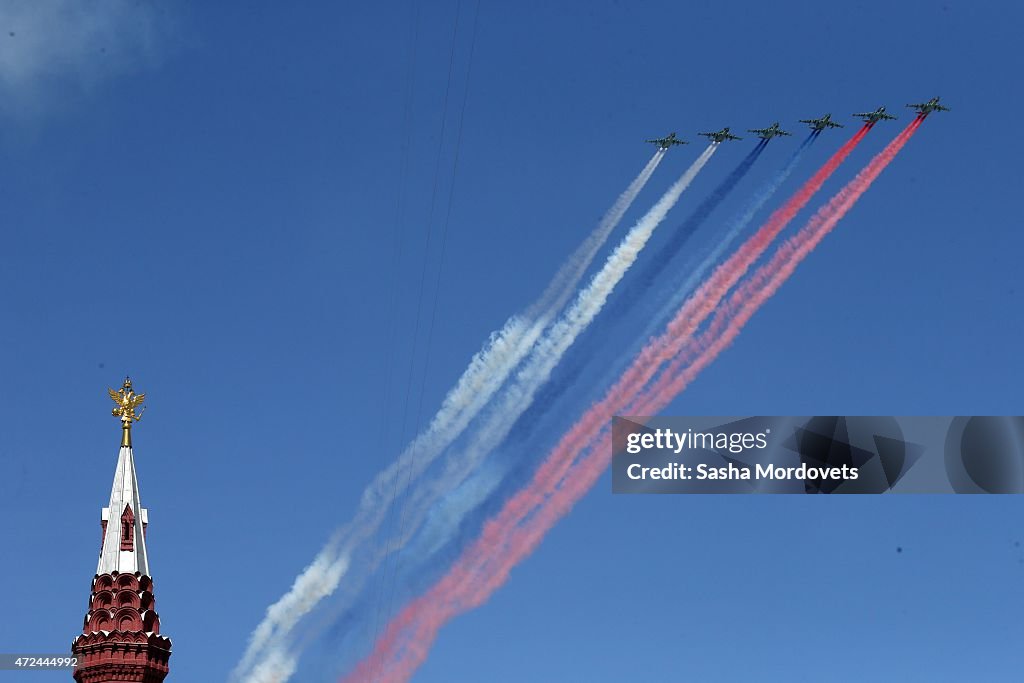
column 569, row 275
column 648, row 275
column 753, row 292
column 476, row 492
column 699, row 305
column 735, row 229
column 548, row 352
column 701, row 302
column 562, row 479
column 487, row 371
column 550, row 349
column 537, row 368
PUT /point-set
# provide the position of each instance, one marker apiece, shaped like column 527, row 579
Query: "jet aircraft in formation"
column 821, row 123
column 817, row 125
column 667, row 141
column 720, row 135
column 929, row 106
column 875, row 116
column 769, row 132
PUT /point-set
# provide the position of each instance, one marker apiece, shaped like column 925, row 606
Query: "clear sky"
column 206, row 196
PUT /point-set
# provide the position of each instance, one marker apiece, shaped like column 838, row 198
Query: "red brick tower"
column 121, row 638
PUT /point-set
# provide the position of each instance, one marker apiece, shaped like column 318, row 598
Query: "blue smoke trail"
column 736, row 227
column 464, row 504
column 663, row 256
column 573, row 368
column 630, row 295
column 459, row 515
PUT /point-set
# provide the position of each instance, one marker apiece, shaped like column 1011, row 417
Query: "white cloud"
column 74, row 43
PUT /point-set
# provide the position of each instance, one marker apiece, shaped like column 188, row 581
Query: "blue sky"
column 205, row 197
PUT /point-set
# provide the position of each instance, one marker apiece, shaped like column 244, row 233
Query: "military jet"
column 769, row 132
column 720, row 135
column 822, row 123
column 875, row 116
column 925, row 108
column 667, row 141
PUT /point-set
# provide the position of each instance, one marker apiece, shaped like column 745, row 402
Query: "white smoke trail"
column 276, row 666
column 486, row 373
column 518, row 397
column 481, row 379
column 569, row 275
column 736, row 227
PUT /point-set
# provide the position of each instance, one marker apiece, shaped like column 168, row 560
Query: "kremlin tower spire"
column 121, row 638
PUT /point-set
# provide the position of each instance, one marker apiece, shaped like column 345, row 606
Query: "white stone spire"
column 120, row 638
column 124, row 521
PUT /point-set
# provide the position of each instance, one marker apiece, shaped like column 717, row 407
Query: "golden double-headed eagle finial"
column 125, row 402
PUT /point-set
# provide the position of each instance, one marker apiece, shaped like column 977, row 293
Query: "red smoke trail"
column 562, row 480
column 703, row 301
column 759, row 287
column 700, row 304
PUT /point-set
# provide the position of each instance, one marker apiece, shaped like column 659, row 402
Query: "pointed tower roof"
column 124, row 522
column 120, row 638
column 124, row 519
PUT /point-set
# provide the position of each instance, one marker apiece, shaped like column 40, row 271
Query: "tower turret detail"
column 121, row 638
